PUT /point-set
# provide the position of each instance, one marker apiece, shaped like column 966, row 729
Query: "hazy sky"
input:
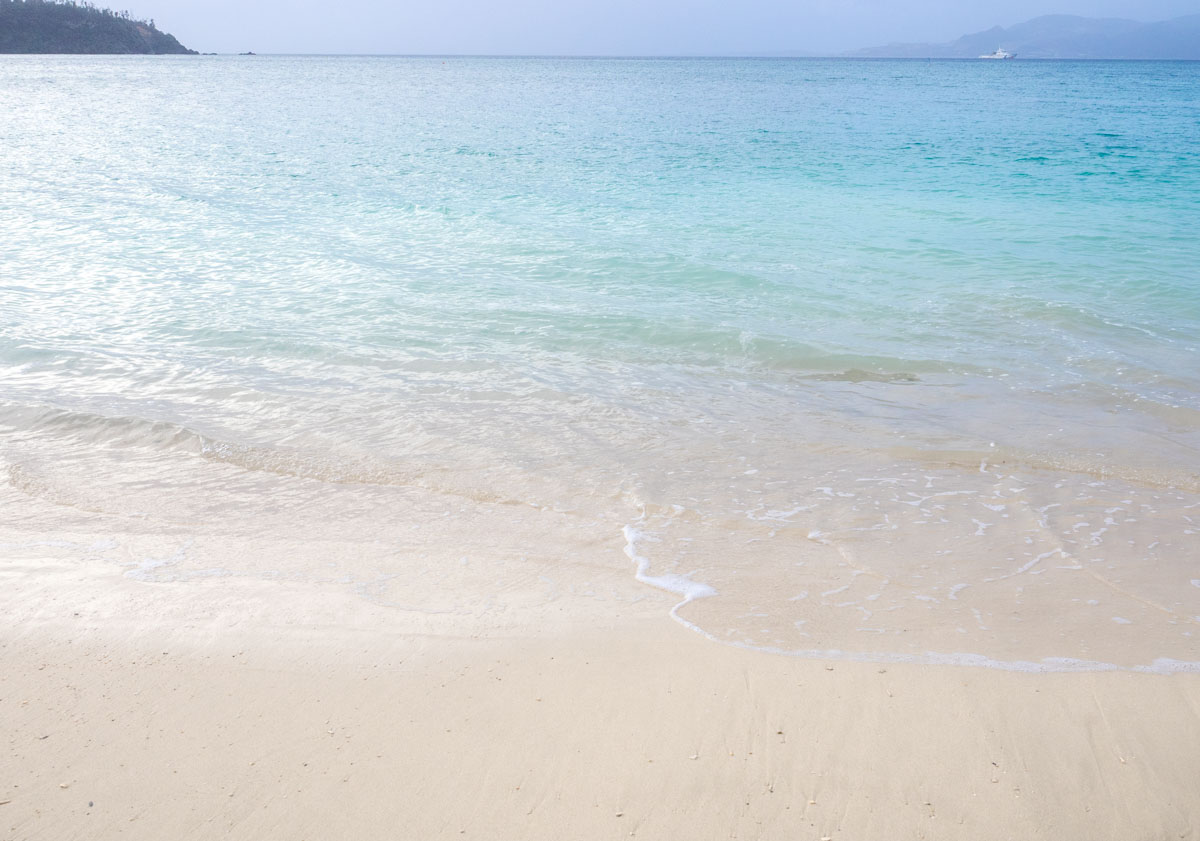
column 601, row 27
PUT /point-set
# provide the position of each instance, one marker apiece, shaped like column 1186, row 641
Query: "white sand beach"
column 206, row 710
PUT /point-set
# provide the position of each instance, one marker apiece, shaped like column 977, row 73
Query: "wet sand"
column 242, row 709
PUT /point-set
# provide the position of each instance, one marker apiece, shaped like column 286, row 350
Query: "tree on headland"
column 49, row 26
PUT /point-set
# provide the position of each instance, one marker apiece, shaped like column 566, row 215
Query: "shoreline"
column 254, row 715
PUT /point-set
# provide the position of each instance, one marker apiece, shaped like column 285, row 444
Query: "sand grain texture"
column 276, row 726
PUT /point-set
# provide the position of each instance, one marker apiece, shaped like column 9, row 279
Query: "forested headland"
column 39, row 26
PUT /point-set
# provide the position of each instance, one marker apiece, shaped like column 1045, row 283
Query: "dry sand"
column 274, row 710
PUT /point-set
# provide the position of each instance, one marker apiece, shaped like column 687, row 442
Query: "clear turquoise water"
column 520, row 276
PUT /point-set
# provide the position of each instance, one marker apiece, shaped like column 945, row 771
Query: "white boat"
column 1000, row 53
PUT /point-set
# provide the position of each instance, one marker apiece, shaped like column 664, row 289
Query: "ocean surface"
column 884, row 360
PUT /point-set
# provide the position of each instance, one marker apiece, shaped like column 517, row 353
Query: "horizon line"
column 600, row 56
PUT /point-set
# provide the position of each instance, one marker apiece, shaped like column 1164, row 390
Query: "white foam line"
column 692, row 590
column 1048, row 665
column 671, row 582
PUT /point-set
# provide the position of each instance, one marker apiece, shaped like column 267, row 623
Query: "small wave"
column 1161, row 478
column 857, row 375
column 92, row 430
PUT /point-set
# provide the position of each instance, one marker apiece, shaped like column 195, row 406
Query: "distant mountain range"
column 1065, row 36
column 37, row 26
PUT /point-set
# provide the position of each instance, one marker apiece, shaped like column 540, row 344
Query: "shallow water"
column 895, row 357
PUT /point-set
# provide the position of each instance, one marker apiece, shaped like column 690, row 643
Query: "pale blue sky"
column 602, row 27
